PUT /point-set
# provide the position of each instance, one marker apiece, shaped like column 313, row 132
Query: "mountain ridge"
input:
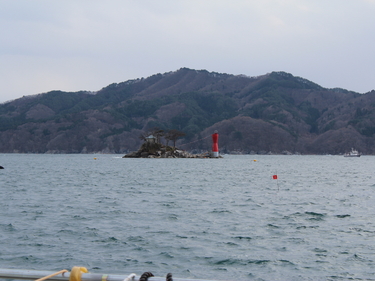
column 270, row 113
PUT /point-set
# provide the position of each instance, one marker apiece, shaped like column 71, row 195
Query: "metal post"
column 20, row 274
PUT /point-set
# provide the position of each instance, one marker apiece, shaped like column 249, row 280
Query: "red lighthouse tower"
column 215, row 144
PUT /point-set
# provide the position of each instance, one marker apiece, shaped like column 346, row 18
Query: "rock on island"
column 156, row 150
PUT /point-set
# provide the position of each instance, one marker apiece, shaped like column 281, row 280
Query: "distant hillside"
column 276, row 112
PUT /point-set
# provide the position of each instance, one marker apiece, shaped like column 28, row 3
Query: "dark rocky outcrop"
column 157, row 150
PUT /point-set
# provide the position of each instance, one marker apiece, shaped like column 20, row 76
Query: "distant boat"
column 353, row 153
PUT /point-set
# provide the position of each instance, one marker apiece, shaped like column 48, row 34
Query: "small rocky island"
column 157, row 150
column 151, row 148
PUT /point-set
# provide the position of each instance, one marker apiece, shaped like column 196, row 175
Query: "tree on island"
column 156, row 132
column 173, row 135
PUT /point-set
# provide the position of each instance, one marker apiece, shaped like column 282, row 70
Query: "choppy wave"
column 225, row 219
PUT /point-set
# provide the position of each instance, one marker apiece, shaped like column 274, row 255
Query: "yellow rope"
column 54, row 274
column 76, row 272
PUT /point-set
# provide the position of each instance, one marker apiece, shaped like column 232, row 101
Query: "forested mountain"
column 276, row 112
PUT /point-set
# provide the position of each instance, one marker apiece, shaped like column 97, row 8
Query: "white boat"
column 353, row 153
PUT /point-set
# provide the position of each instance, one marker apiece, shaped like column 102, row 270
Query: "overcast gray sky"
column 73, row 45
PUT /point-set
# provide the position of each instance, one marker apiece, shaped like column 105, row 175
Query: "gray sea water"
column 222, row 219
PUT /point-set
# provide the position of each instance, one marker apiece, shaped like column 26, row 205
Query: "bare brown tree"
column 157, row 133
column 173, row 135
